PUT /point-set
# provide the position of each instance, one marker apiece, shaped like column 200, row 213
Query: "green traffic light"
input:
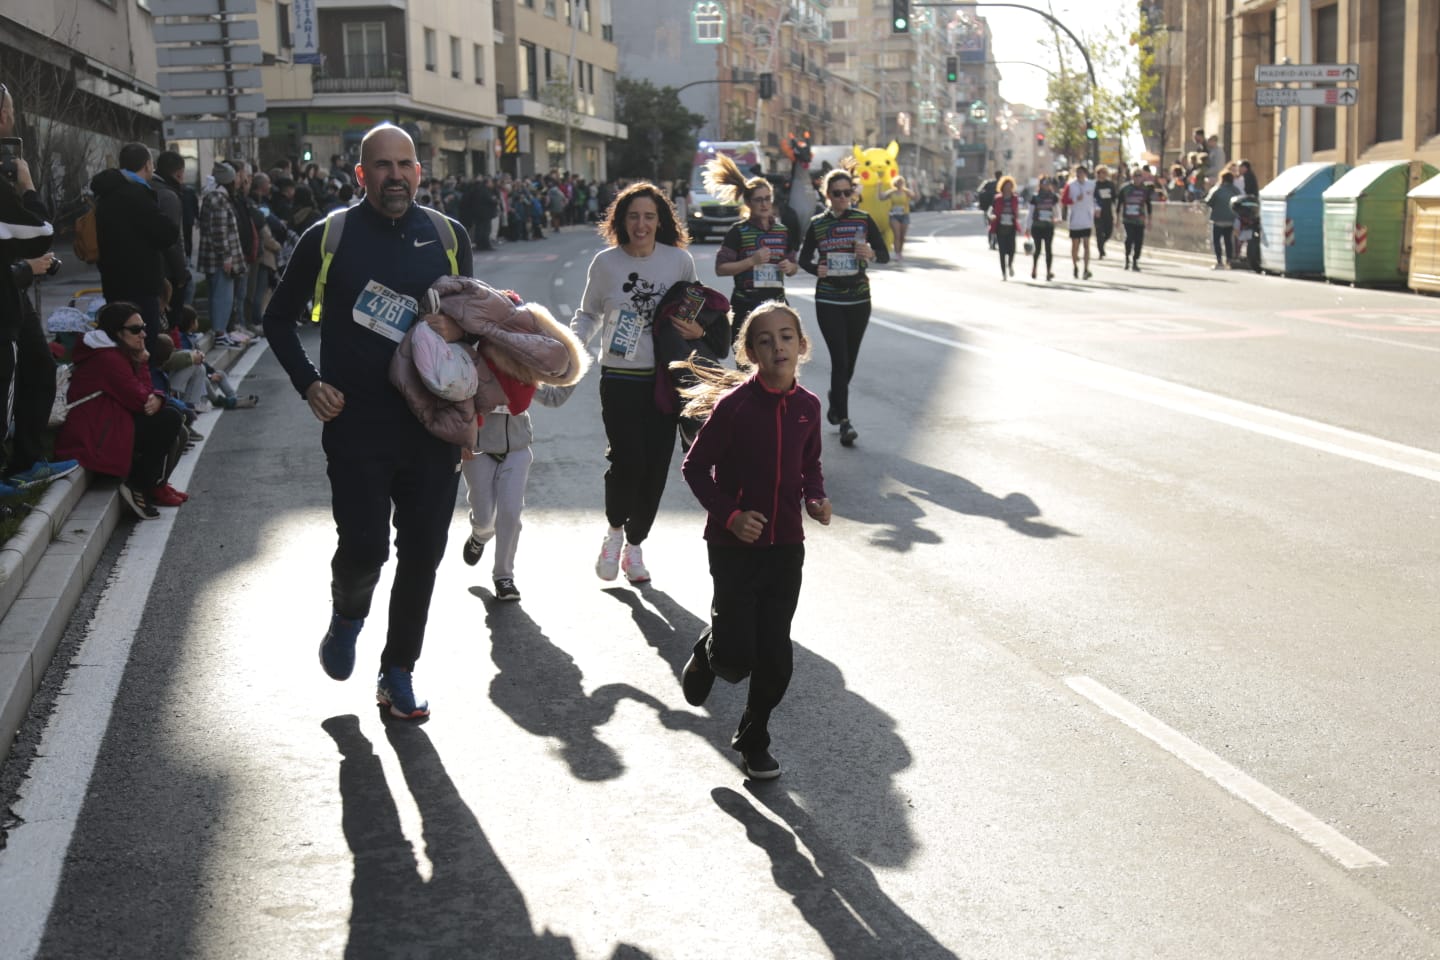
column 901, row 24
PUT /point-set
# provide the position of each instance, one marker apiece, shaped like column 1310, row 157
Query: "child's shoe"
column 165, row 496
column 472, row 550
column 337, row 650
column 394, row 689
column 505, row 589
column 760, row 765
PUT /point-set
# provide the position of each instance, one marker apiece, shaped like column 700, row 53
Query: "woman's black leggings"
column 1005, row 236
column 155, row 440
column 843, row 327
column 1134, row 240
column 1046, row 239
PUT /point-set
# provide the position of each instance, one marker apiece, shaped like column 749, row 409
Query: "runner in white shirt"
column 1079, row 197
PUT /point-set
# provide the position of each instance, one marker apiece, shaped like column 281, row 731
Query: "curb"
column 44, row 570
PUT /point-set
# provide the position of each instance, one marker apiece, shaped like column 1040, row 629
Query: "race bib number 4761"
column 382, row 310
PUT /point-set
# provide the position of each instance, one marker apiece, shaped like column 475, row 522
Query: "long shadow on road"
column 862, row 821
column 470, row 906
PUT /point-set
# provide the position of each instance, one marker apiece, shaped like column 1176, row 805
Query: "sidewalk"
column 44, row 568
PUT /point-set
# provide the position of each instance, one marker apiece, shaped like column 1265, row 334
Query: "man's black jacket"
column 133, row 236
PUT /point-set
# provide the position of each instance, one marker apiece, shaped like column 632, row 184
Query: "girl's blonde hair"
column 724, row 179
column 1004, row 180
column 708, row 382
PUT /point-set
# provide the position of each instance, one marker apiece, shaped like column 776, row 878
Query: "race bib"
column 1007, row 219
column 384, row 311
column 1132, row 209
column 768, row 275
column 841, row 265
column 629, row 325
column 1045, row 215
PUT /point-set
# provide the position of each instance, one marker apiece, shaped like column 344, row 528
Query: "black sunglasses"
column 139, row 329
column 842, row 193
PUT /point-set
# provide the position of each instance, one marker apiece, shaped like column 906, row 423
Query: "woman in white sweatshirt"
column 624, row 287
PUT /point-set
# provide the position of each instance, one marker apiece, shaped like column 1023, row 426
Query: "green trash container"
column 1367, row 222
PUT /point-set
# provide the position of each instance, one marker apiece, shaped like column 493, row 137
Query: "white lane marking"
column 567, row 264
column 559, row 281
column 565, row 311
column 1363, row 448
column 1311, row 829
column 1393, row 343
column 51, row 799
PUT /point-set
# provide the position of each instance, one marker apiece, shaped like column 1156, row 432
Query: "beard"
column 393, row 202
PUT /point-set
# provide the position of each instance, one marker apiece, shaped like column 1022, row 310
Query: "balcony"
column 361, row 85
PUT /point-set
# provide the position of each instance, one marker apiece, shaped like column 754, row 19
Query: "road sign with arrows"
column 1307, row 73
column 1312, row 97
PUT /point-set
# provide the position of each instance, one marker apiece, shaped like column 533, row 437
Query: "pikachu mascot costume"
column 874, row 169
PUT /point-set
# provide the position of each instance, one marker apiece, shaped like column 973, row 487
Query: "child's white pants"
column 496, row 491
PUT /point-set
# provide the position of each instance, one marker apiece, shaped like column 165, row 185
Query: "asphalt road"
column 1122, row 644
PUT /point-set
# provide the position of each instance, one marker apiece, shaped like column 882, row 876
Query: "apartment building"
column 425, row 65
column 907, row 72
column 556, row 61
column 82, row 74
column 1207, row 77
column 718, row 52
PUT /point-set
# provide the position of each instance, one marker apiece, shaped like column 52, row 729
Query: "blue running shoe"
column 43, row 472
column 394, row 690
column 337, row 650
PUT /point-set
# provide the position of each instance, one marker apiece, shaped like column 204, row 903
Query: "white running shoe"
column 633, row 564
column 607, row 566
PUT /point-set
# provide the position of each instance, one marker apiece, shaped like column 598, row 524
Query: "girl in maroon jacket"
column 755, row 460
column 120, row 425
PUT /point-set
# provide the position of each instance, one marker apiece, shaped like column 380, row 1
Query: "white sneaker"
column 633, row 564
column 607, row 566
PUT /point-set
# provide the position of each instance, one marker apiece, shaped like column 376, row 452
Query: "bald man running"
column 379, row 456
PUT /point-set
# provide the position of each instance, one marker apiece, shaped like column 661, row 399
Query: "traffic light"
column 767, row 86
column 1040, row 140
column 900, row 16
column 1090, row 132
column 307, row 154
column 952, row 69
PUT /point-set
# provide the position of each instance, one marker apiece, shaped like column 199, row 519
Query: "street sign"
column 1307, row 72
column 215, row 129
column 203, row 81
column 207, row 32
column 172, row 106
column 1312, row 97
column 206, row 56
column 199, row 8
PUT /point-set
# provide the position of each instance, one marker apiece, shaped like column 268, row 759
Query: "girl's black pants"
column 756, row 591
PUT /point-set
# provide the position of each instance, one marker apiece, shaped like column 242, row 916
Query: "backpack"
column 330, row 242
column 87, row 237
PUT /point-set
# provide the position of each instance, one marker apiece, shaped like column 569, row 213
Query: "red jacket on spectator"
column 100, row 432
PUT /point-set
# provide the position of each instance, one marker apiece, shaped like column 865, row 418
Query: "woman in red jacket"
column 120, row 425
column 1004, row 221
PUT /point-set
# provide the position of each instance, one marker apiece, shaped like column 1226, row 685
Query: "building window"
column 282, row 26
column 590, row 76
column 455, row 58
column 709, row 21
column 364, row 49
column 607, row 21
column 1390, row 71
column 837, row 30
column 1327, row 41
column 585, row 16
column 550, row 8
column 837, row 57
column 430, row 55
column 549, row 69
column 479, row 64
column 529, row 65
